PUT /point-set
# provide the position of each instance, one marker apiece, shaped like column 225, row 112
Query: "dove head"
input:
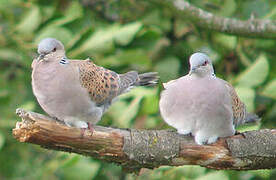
column 201, row 64
column 50, row 47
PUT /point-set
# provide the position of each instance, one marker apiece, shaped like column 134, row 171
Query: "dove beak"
column 41, row 56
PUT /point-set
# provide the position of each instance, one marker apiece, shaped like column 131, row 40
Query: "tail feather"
column 132, row 78
column 147, row 79
column 251, row 118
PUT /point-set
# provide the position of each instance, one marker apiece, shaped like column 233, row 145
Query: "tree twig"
column 135, row 149
column 258, row 28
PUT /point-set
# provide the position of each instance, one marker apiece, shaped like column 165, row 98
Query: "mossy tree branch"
column 136, row 149
column 258, row 28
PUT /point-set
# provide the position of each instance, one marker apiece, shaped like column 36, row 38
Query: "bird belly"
column 62, row 96
column 193, row 107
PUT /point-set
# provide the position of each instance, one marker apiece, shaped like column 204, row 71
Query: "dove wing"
column 238, row 107
column 102, row 84
column 128, row 80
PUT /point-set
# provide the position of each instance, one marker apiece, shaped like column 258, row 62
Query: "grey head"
column 200, row 64
column 50, row 46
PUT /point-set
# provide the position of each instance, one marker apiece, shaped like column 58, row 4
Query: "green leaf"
column 255, row 74
column 249, row 127
column 265, row 44
column 151, row 122
column 228, row 8
column 29, row 106
column 4, row 4
column 48, row 12
column 149, row 34
column 130, row 112
column 217, row 175
column 30, row 21
column 10, row 55
column 126, row 108
column 2, row 140
column 75, row 10
column 272, row 114
column 157, row 19
column 270, row 89
column 259, row 8
column 168, row 68
column 60, row 33
column 127, row 33
column 79, row 168
column 72, row 13
column 151, row 103
column 4, row 93
column 101, row 40
column 180, row 27
column 124, row 112
column 195, row 43
column 247, row 95
column 135, row 58
column 262, row 174
column 188, row 172
column 71, row 160
column 116, row 111
column 227, row 41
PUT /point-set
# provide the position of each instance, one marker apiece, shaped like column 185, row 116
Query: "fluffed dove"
column 78, row 92
column 202, row 104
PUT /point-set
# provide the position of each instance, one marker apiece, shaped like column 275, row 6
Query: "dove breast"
column 59, row 92
column 197, row 105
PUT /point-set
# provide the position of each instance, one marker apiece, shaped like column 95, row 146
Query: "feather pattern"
column 102, row 84
column 77, row 91
column 240, row 114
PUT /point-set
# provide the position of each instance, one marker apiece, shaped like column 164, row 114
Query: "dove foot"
column 58, row 120
column 90, row 128
column 55, row 118
column 237, row 133
column 202, row 139
column 212, row 139
column 184, row 131
column 75, row 122
column 82, row 132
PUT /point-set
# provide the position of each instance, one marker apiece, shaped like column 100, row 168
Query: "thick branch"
column 135, row 149
column 259, row 28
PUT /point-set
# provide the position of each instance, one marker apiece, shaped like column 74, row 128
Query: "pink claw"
column 90, row 127
column 82, row 131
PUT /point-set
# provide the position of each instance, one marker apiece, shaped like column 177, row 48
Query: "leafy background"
column 124, row 35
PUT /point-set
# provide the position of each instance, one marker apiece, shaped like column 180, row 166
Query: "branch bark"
column 258, row 28
column 135, row 149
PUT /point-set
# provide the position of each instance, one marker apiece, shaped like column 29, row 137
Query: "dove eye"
column 205, row 63
column 54, row 50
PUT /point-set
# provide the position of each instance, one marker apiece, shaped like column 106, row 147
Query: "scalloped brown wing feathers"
column 238, row 107
column 102, row 84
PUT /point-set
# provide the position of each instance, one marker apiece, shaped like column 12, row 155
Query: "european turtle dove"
column 202, row 104
column 78, row 92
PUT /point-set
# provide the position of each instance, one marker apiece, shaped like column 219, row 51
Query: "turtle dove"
column 78, row 92
column 202, row 104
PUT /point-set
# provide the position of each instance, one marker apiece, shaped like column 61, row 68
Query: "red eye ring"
column 205, row 63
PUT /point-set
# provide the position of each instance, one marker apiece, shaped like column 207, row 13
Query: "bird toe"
column 212, row 139
column 184, row 131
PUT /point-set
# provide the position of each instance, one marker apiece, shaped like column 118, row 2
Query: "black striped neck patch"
column 63, row 61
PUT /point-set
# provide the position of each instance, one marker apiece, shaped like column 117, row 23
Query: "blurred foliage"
column 124, row 35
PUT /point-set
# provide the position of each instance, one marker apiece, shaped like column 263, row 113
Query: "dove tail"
column 147, row 79
column 250, row 118
column 132, row 78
